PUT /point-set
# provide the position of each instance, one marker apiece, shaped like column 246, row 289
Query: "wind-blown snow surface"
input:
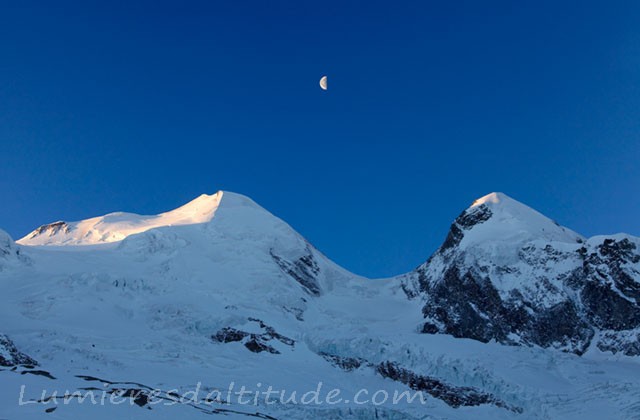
column 221, row 292
column 117, row 226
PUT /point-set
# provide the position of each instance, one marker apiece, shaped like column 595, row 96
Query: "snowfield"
column 170, row 316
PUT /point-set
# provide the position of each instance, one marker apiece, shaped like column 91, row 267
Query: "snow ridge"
column 117, row 226
column 220, row 290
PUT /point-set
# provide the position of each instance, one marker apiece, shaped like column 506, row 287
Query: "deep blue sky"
column 112, row 106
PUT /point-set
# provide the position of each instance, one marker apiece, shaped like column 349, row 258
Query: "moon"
column 323, row 82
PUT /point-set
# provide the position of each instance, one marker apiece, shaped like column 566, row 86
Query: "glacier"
column 514, row 316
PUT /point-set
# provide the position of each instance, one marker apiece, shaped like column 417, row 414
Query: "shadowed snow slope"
column 221, row 292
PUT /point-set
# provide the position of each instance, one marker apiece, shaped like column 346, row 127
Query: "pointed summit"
column 498, row 217
column 493, row 198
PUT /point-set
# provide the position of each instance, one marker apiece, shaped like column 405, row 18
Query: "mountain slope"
column 507, row 273
column 117, row 226
column 220, row 293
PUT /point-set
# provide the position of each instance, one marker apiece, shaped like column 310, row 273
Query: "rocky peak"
column 506, row 272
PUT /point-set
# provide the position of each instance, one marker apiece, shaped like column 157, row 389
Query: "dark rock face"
column 469, row 306
column 462, row 302
column 138, row 396
column 10, row 356
column 607, row 309
column 229, row 335
column 51, row 229
column 452, row 395
column 465, row 221
column 145, row 396
column 271, row 334
column 626, row 342
column 611, row 284
column 345, row 363
column 38, row 373
column 304, row 270
column 558, row 296
column 561, row 324
column 257, row 343
column 455, row 396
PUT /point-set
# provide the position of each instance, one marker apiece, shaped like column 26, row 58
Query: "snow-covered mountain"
column 514, row 316
column 117, row 226
column 508, row 273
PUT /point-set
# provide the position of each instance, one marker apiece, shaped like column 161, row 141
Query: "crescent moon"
column 323, row 82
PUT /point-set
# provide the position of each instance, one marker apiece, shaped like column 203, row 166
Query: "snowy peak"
column 498, row 217
column 493, row 198
column 221, row 288
column 505, row 207
column 510, row 274
column 117, row 226
column 198, row 210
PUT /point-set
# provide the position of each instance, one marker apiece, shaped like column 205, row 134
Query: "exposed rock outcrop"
column 10, row 356
column 509, row 274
